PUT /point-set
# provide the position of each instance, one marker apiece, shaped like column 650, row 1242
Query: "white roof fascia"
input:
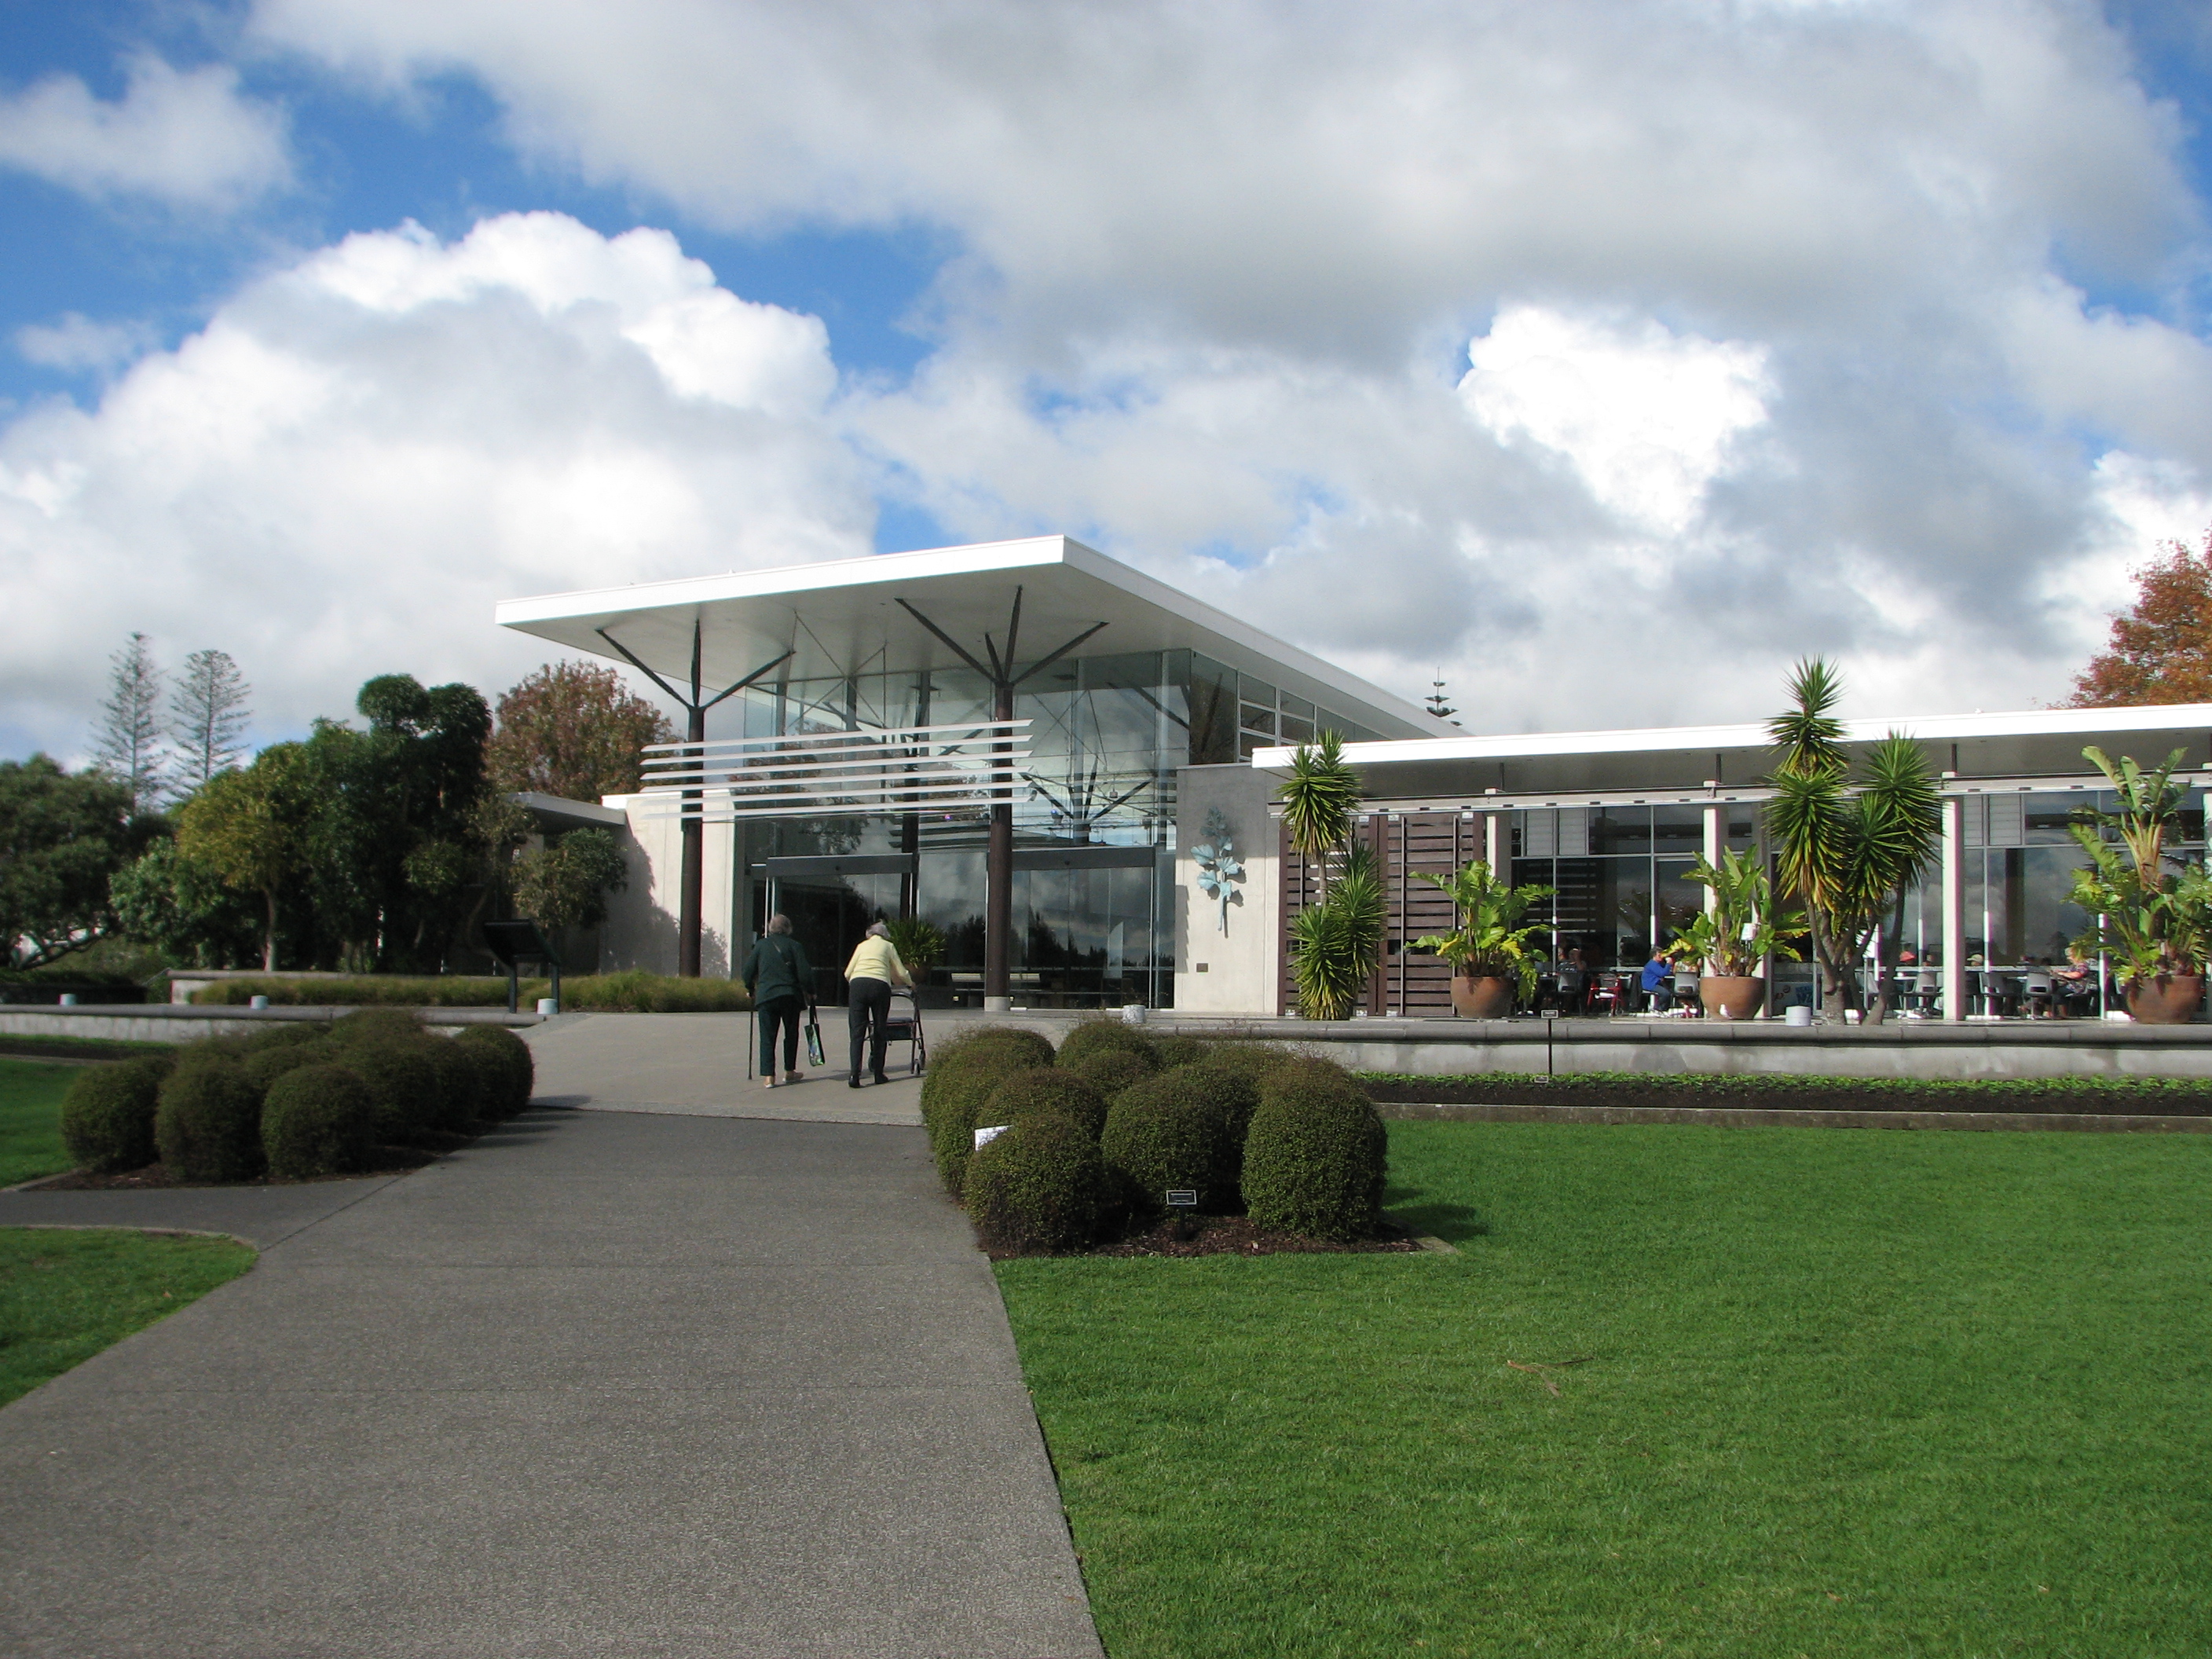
column 1268, row 657
column 1938, row 728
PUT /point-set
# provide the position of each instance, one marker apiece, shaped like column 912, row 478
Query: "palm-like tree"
column 1336, row 941
column 1848, row 848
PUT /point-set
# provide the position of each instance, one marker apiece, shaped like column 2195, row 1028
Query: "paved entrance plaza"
column 635, row 1382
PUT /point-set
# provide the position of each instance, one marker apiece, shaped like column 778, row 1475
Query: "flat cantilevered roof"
column 2024, row 744
column 843, row 616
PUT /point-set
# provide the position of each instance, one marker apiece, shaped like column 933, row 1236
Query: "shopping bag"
column 814, row 1040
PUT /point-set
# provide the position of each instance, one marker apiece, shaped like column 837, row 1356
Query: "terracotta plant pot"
column 1728, row 997
column 2169, row 1000
column 1482, row 999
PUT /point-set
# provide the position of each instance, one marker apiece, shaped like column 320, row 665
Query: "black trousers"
column 868, row 1002
column 784, row 1013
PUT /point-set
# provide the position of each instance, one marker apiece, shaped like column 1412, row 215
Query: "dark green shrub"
column 1175, row 1051
column 1109, row 1070
column 960, row 1078
column 1043, row 1088
column 1098, row 1036
column 208, row 1126
column 402, row 1089
column 461, row 1097
column 514, row 1054
column 1256, row 1060
column 1038, row 1187
column 284, row 1035
column 107, row 1117
column 265, row 1066
column 376, row 1026
column 1183, row 1128
column 318, row 1120
column 1314, row 1158
column 492, row 1087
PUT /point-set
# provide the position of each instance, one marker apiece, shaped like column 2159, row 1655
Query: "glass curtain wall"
column 1621, row 872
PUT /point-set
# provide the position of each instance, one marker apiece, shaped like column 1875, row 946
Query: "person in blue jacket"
column 1658, row 981
column 781, row 982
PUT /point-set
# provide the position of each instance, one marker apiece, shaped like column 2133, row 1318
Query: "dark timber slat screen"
column 1407, row 845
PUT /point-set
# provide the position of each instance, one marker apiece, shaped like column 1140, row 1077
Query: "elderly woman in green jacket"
column 781, row 982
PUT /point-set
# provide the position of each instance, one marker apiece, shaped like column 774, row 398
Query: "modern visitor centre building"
column 1069, row 767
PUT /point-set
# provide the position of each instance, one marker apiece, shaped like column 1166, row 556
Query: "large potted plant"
column 2156, row 922
column 1730, row 938
column 1488, row 950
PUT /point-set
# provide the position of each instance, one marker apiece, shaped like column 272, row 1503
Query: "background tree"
column 1849, row 847
column 566, row 883
column 207, row 717
column 126, row 742
column 63, row 839
column 2161, row 650
column 573, row 729
column 184, row 911
column 250, row 830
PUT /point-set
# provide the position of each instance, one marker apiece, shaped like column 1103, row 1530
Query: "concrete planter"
column 1486, row 998
column 1726, row 996
column 2169, row 1000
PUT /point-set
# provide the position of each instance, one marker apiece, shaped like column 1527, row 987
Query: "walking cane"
column 751, row 1014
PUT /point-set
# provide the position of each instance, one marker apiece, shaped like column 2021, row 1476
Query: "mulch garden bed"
column 1235, row 1235
column 2151, row 1097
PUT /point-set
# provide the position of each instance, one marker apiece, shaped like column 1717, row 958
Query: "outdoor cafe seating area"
column 2031, row 990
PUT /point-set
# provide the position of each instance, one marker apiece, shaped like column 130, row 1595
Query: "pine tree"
column 207, row 717
column 126, row 743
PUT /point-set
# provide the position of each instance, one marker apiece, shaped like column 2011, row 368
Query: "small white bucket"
column 1132, row 1013
column 69, row 1000
column 1797, row 1014
column 256, row 1002
column 548, row 1005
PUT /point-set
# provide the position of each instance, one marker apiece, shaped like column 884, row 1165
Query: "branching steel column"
column 999, row 849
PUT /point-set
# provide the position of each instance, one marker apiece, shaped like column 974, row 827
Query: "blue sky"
column 1873, row 329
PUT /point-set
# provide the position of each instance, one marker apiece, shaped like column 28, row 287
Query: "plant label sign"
column 985, row 1137
column 1182, row 1200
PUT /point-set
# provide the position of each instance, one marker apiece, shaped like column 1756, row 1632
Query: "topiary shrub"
column 318, row 1120
column 1098, row 1036
column 960, row 1078
column 402, row 1089
column 1313, row 1156
column 494, row 1077
column 1255, row 1060
column 514, row 1054
column 376, row 1026
column 1109, row 1070
column 1043, row 1088
column 266, row 1065
column 1183, row 1128
column 461, row 1097
column 107, row 1117
column 1038, row 1187
column 1175, row 1051
column 208, row 1124
column 286, row 1035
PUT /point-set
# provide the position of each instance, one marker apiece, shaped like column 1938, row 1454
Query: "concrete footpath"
column 612, row 1382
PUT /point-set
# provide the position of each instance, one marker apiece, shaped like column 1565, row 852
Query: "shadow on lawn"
column 1412, row 1208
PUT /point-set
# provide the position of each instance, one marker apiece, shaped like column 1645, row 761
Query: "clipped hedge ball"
column 318, row 1120
column 376, row 1026
column 1181, row 1129
column 1098, row 1036
column 514, row 1054
column 208, row 1124
column 1314, row 1158
column 1109, row 1070
column 1038, row 1187
column 1030, row 1048
column 107, row 1117
column 1043, row 1088
column 459, row 1088
column 265, row 1064
column 402, row 1089
column 1254, row 1060
column 1174, row 1051
column 958, row 1082
column 285, row 1034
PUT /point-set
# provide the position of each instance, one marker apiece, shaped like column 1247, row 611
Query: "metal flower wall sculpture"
column 1219, row 866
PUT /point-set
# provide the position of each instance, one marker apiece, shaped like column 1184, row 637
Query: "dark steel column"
column 998, row 864
column 690, row 900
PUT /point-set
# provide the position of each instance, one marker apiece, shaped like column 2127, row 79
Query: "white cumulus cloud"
column 188, row 138
column 358, row 456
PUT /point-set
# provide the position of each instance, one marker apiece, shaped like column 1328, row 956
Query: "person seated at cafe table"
column 1657, row 982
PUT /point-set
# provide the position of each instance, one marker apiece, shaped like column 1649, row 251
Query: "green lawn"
column 65, row 1293
column 1851, row 1393
column 31, row 1093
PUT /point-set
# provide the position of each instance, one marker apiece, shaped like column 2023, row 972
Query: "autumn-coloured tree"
column 575, row 730
column 2161, row 646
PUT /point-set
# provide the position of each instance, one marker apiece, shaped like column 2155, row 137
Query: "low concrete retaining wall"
column 161, row 1022
column 1913, row 1048
column 1756, row 1117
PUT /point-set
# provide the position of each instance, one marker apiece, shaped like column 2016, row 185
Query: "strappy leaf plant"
column 2156, row 922
column 1743, row 925
column 1335, row 942
column 1849, row 847
column 1319, row 799
column 1489, row 941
